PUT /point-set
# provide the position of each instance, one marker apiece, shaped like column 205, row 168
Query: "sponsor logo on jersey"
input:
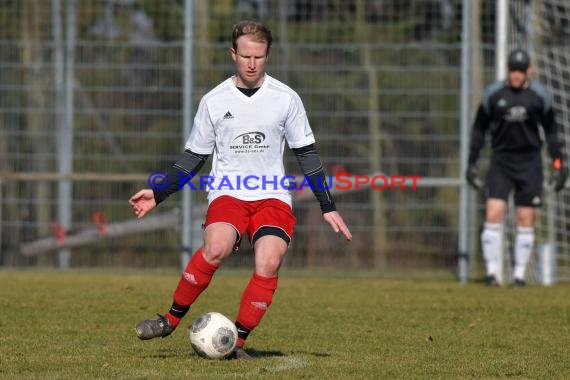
column 250, row 138
column 249, row 142
column 502, row 103
column 228, row 115
column 516, row 113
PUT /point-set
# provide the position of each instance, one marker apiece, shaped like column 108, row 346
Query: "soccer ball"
column 213, row 335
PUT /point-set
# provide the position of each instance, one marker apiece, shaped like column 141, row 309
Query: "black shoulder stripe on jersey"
column 189, row 161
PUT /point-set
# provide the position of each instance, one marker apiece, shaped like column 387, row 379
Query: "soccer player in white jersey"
column 244, row 122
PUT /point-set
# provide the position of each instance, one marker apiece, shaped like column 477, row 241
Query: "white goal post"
column 543, row 28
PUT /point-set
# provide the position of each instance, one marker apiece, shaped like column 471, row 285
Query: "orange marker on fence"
column 101, row 220
column 59, row 233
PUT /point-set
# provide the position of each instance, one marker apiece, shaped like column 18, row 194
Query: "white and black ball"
column 213, row 335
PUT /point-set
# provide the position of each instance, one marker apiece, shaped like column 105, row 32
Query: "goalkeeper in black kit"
column 512, row 111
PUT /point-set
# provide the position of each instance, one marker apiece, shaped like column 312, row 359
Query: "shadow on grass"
column 315, row 354
column 268, row 354
column 264, row 354
column 166, row 353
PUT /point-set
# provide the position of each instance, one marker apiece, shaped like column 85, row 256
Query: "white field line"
column 283, row 363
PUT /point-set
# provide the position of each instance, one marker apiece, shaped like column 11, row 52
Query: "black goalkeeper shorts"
column 523, row 174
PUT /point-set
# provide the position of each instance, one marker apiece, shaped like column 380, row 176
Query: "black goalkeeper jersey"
column 513, row 117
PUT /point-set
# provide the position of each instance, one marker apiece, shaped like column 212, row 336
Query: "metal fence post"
column 188, row 78
column 464, row 120
column 65, row 141
column 500, row 62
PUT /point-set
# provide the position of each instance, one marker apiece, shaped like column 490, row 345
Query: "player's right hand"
column 143, row 202
column 473, row 178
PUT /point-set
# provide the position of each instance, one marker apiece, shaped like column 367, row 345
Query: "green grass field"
column 81, row 325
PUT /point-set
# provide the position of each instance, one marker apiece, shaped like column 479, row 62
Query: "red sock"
column 255, row 300
column 195, row 278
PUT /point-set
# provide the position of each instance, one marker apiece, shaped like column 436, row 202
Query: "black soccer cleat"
column 491, row 281
column 154, row 328
column 519, row 283
column 238, row 353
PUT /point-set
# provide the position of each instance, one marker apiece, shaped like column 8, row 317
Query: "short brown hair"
column 258, row 30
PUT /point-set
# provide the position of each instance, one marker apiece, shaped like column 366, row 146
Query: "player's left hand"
column 473, row 178
column 335, row 220
column 559, row 175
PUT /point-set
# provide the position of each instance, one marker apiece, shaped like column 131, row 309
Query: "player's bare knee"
column 215, row 252
column 495, row 211
column 494, row 219
column 274, row 264
column 270, row 266
column 494, row 216
column 525, row 216
column 525, row 221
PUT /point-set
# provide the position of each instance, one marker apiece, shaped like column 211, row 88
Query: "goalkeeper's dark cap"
column 518, row 60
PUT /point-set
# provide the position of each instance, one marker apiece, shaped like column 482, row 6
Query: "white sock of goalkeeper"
column 492, row 243
column 523, row 249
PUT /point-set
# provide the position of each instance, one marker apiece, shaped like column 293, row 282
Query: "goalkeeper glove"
column 473, row 178
column 559, row 174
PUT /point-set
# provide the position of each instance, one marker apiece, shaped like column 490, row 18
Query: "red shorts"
column 251, row 216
